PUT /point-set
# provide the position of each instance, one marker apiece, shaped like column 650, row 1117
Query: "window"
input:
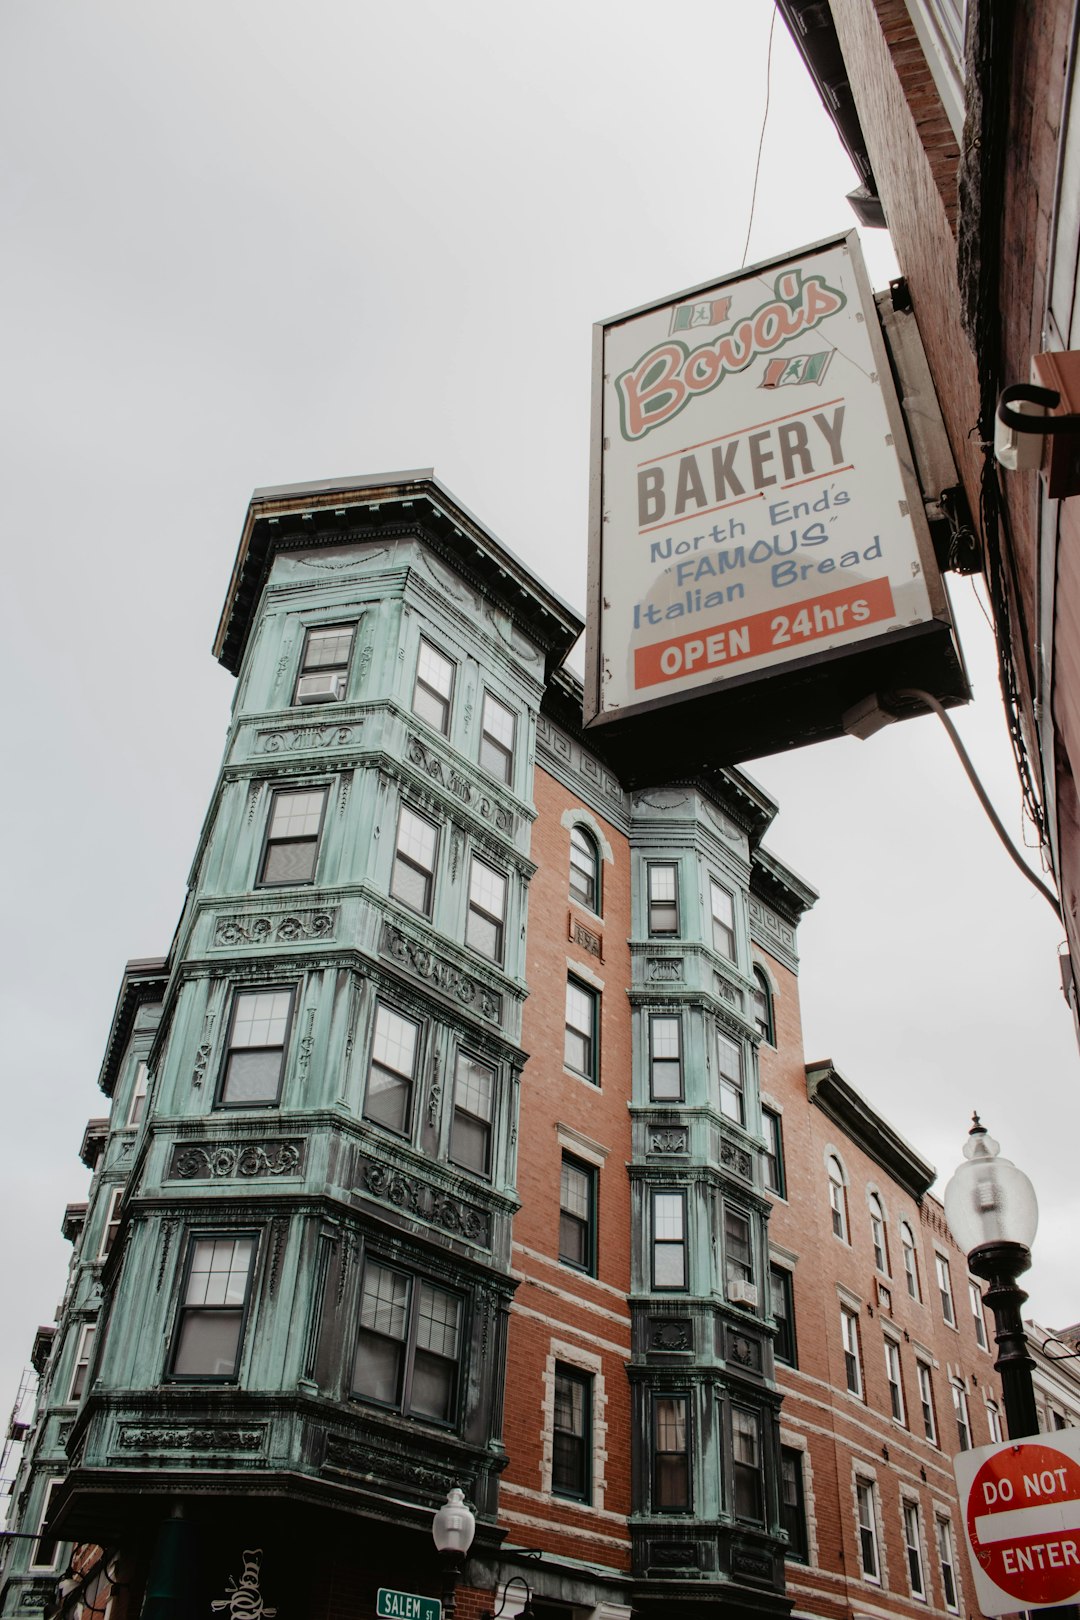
column 663, row 897
column 497, row 739
column 944, row 1282
column 993, row 1420
column 572, row 1434
column 793, row 1504
column 474, row 1104
column 837, row 1198
column 665, row 1058
column 112, row 1222
column 580, row 1043
column 895, row 1380
column 669, row 1239
column 487, row 911
column 255, row 1051
column 762, row 1007
column 877, row 1234
column 577, row 1215
column 867, row 1518
column 82, row 1362
column 671, row 1454
column 960, row 1407
column 782, row 1294
column 911, row 1260
column 434, row 687
column 926, row 1401
column 584, row 869
column 292, row 836
column 413, row 877
column 772, row 1163
column 409, row 1344
column 393, row 1070
column 849, row 1333
column 217, row 1284
column 729, row 1065
column 913, row 1545
column 738, row 1254
column 948, row 1563
column 46, row 1554
column 975, row 1296
column 138, row 1095
column 747, row 1464
column 324, row 667
column 722, row 904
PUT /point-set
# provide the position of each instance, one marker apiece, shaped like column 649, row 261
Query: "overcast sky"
column 259, row 243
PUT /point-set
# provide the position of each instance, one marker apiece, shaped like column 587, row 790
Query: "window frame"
column 139, row 1093
column 410, row 1080
column 841, row 1226
column 576, row 1378
column 584, row 842
column 652, row 870
column 946, row 1297
column 457, row 1109
column 591, row 1037
column 438, row 697
column 587, row 1224
column 52, row 1485
column 894, row 1377
column 750, row 1474
column 993, row 1421
column 761, row 1001
column 911, row 1261
column 84, row 1352
column 240, row 993
column 728, row 944
column 111, row 1230
column 409, row 1344
column 975, row 1302
column 911, row 1522
column 962, row 1413
column 785, row 1338
column 798, row 1547
column 865, row 1495
column 737, row 1268
column 670, row 1065
column 925, row 1380
column 731, row 1083
column 212, row 1234
column 772, row 1124
column 879, row 1236
column 673, row 1398
column 341, row 668
column 490, row 918
column 278, row 794
column 414, row 865
column 678, row 1196
column 946, row 1547
column 849, row 1338
column 491, row 744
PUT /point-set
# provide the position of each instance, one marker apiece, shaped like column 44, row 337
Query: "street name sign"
column 1021, row 1505
column 391, row 1605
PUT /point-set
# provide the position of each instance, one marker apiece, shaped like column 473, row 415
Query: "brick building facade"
column 466, row 1137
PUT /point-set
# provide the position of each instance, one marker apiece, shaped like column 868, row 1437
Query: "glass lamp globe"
column 454, row 1525
column 988, row 1200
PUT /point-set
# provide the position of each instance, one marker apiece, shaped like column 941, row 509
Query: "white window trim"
column 142, row 1072
column 53, row 1479
column 115, row 1197
column 794, row 1441
column 909, row 1500
column 584, row 818
column 862, row 1475
column 572, row 1355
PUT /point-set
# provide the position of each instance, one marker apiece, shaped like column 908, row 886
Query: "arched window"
column 911, row 1260
column 584, row 869
column 837, row 1197
column 761, row 997
column 878, row 1235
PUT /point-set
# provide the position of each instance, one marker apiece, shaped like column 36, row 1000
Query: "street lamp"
column 452, row 1530
column 990, row 1207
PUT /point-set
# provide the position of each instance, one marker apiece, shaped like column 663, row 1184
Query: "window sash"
column 877, row 1236
column 730, row 1069
column 434, row 688
column 571, row 1452
column 849, row 1328
column 255, row 1048
column 413, row 878
column 963, row 1421
column 213, row 1309
column 671, row 1454
column 976, row 1299
column 669, row 1241
column 497, row 739
column 327, row 651
column 486, row 922
column 911, row 1261
column 112, row 1223
column 665, row 1058
column 408, row 1345
column 395, row 1048
column 913, row 1546
column 748, row 1465
column 926, row 1401
column 867, row 1518
column 46, row 1553
column 138, row 1094
column 894, row 1376
column 947, row 1562
column 580, row 1036
column 782, row 1299
column 837, row 1201
column 577, row 1214
column 663, row 897
column 293, row 830
column 83, row 1357
column 474, row 1104
column 762, row 1008
column 584, row 869
column 722, row 907
column 944, row 1282
column 738, row 1249
column 772, row 1160
column 793, row 1503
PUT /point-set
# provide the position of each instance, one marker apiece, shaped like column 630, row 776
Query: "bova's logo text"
column 668, row 377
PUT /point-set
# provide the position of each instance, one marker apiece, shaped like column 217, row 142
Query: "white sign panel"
column 752, row 508
column 1021, row 1504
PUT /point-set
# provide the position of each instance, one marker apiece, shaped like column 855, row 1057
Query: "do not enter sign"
column 1022, row 1517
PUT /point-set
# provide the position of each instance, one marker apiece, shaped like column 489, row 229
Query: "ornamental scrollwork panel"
column 426, row 1203
column 442, row 975
column 460, row 785
column 286, row 928
column 220, row 1161
column 189, row 1437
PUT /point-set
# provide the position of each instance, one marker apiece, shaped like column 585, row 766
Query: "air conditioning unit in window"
column 320, row 688
column 743, row 1293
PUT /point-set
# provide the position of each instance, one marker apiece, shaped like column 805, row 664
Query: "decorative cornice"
column 840, row 1102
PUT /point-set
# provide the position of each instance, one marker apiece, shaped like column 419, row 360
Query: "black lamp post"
column 452, row 1531
column 990, row 1207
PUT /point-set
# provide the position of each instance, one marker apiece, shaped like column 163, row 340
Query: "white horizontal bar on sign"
column 1040, row 1520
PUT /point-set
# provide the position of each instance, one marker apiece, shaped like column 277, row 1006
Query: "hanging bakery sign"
column 754, row 509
